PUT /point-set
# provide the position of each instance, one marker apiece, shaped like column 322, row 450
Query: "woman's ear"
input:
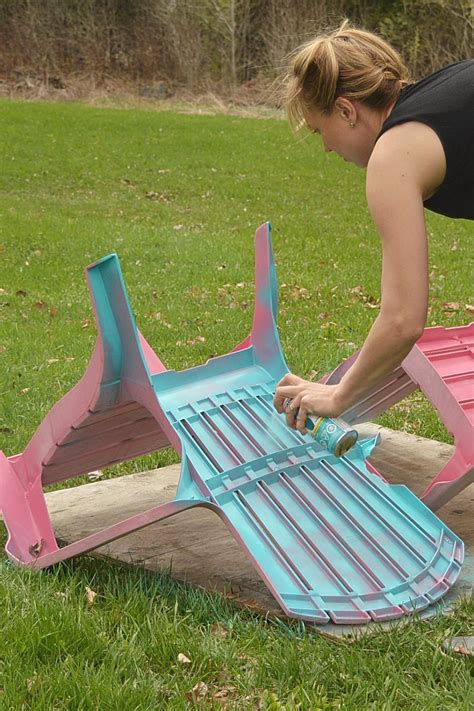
column 346, row 109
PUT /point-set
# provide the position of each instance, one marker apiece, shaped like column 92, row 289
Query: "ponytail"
column 348, row 62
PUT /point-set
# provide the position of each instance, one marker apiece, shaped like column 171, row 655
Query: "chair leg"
column 26, row 517
column 453, row 478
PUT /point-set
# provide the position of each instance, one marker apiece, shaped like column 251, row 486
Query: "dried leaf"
column 21, row 293
column 451, row 306
column 191, row 341
column 52, row 360
column 151, row 195
column 297, row 293
column 90, row 595
column 198, row 691
column 224, row 692
column 160, row 318
column 25, row 390
column 178, row 227
column 85, row 323
column 183, row 659
column 53, row 312
column 470, row 308
column 219, row 630
column 97, row 474
column 40, row 305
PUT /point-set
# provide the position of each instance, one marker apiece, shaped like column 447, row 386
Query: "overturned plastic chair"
column 331, row 539
column 441, row 365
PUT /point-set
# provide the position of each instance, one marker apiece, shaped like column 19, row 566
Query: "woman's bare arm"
column 406, row 165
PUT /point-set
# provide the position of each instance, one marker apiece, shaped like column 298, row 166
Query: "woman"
column 417, row 143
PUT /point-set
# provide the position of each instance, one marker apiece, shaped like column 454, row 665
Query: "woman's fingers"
column 290, row 408
column 304, row 399
column 289, row 381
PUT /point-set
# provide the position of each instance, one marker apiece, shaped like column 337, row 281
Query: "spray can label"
column 331, row 433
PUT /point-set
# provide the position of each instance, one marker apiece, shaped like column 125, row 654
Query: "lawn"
column 178, row 197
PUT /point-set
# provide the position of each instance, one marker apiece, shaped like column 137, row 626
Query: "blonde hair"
column 348, row 62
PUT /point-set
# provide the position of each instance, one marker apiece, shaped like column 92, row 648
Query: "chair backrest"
column 100, row 422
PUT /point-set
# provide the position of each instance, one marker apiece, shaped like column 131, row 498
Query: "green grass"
column 121, row 652
column 178, row 197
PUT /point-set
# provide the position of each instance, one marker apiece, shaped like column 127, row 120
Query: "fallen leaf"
column 470, row 308
column 97, row 474
column 224, row 692
column 25, row 390
column 297, row 292
column 178, row 227
column 191, row 341
column 85, row 323
column 198, row 691
column 183, row 659
column 219, row 630
column 160, row 318
column 451, row 306
column 90, row 595
column 151, row 195
column 21, row 293
column 53, row 312
column 52, row 360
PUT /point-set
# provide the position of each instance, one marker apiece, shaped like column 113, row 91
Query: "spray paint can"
column 331, row 433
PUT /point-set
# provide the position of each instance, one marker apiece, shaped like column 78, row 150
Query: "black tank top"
column 444, row 101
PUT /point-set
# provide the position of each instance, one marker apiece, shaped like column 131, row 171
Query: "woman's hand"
column 307, row 399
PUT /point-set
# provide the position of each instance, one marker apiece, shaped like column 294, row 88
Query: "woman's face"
column 343, row 131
